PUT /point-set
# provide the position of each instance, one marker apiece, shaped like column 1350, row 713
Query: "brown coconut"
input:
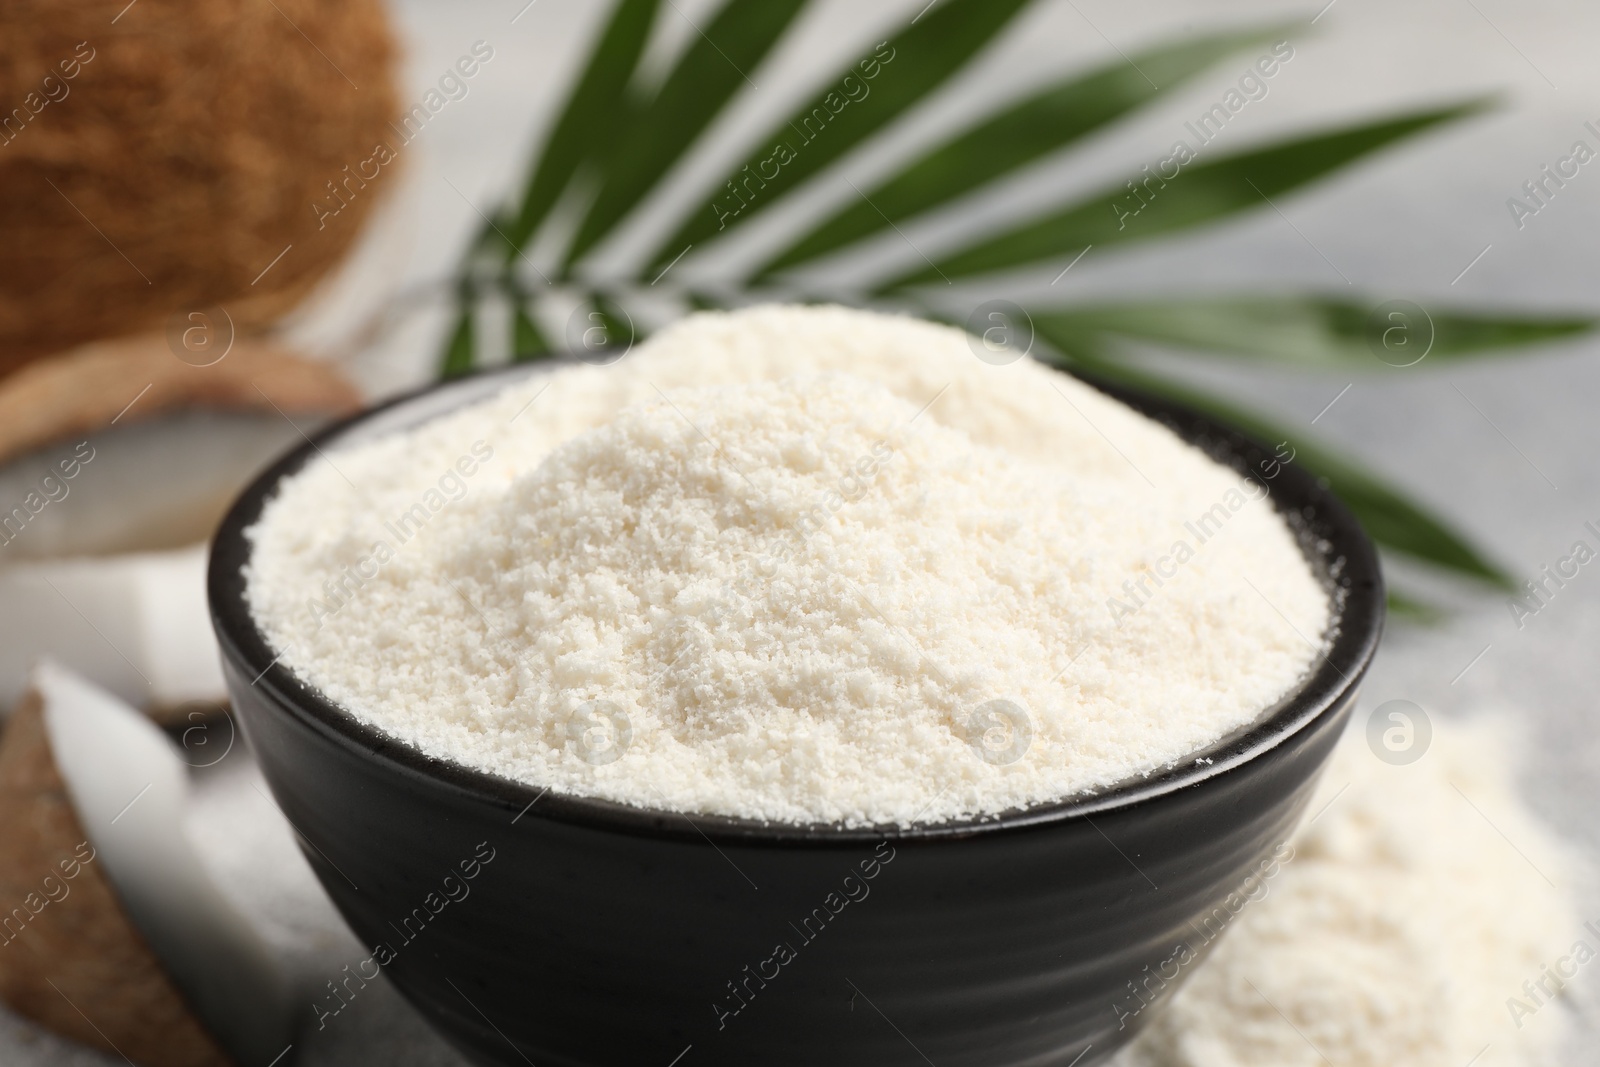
column 180, row 160
column 76, row 964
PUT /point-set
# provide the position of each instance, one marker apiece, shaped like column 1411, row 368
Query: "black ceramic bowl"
column 571, row 932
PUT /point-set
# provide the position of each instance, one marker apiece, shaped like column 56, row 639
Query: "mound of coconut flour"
column 795, row 564
column 1423, row 917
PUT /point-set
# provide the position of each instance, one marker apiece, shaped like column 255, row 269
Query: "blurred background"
column 206, row 354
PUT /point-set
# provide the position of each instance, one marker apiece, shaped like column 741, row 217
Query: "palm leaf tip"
column 1198, row 193
column 1388, row 516
column 1311, row 331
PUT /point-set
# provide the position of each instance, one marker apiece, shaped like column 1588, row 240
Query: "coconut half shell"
column 139, row 379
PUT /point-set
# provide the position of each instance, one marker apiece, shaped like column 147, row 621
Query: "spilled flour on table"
column 1416, row 926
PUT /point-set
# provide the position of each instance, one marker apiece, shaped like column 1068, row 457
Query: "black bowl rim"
column 1330, row 535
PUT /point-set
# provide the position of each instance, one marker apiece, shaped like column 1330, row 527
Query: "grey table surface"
column 1504, row 447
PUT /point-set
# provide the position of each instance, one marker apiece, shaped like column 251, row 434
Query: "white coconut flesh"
column 104, row 572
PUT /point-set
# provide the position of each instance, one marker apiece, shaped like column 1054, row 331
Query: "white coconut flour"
column 1422, row 918
column 795, row 564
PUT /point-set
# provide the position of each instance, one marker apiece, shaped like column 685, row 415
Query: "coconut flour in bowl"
column 807, row 565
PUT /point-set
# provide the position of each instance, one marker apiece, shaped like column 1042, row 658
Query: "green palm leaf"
column 461, row 350
column 594, row 113
column 712, row 69
column 627, row 140
column 1198, row 194
column 1389, row 517
column 907, row 68
column 1028, row 130
column 1311, row 331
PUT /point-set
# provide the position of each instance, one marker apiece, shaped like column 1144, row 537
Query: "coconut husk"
column 139, row 379
column 183, row 159
column 78, row 966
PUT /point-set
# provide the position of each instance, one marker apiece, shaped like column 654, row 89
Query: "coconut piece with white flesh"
column 116, row 463
column 124, row 941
